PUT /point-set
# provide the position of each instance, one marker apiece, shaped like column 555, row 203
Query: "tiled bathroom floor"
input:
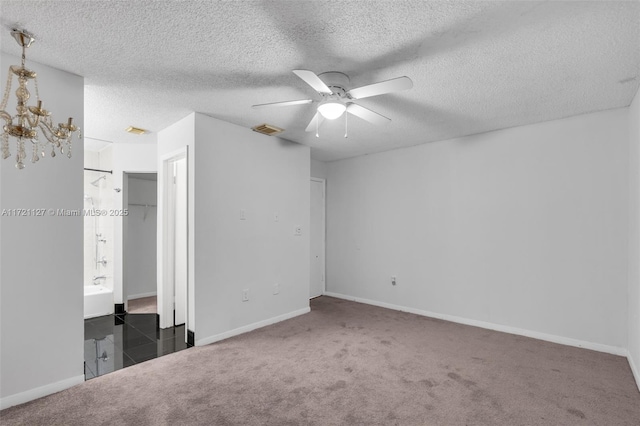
column 112, row 342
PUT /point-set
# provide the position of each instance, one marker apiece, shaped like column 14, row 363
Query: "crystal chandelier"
column 29, row 120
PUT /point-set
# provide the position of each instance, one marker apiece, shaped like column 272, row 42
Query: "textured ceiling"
column 476, row 66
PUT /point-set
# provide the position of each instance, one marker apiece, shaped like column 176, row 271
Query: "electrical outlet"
column 393, row 280
column 276, row 217
column 298, row 231
column 243, row 214
column 245, row 295
column 276, row 288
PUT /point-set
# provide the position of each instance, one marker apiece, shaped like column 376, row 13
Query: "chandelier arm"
column 33, row 120
column 48, row 127
column 49, row 133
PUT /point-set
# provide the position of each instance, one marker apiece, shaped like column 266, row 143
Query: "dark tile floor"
column 112, row 342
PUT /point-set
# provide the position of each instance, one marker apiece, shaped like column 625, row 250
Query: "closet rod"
column 143, row 205
column 98, row 170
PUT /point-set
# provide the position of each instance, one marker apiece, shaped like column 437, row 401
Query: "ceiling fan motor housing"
column 336, row 81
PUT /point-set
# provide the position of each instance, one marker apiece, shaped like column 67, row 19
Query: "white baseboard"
column 251, row 327
column 141, row 295
column 30, row 395
column 491, row 326
column 634, row 369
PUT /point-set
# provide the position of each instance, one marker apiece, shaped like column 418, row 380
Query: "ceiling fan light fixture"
column 332, row 109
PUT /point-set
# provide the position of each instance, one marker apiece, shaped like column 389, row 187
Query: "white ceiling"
column 95, row 145
column 476, row 66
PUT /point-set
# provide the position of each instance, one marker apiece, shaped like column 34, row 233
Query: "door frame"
column 165, row 269
column 180, row 300
column 324, row 231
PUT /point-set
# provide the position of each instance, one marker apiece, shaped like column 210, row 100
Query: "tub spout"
column 98, row 277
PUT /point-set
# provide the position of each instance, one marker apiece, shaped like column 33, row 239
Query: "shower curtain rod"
column 98, row 170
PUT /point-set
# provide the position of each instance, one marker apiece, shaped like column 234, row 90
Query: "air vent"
column 135, row 130
column 267, row 129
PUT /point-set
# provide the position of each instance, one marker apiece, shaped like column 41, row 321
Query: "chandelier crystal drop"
column 31, row 121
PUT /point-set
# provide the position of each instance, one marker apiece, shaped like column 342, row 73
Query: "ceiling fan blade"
column 286, row 103
column 375, row 89
column 313, row 80
column 367, row 114
column 313, row 126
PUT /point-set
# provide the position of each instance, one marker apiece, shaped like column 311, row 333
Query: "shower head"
column 95, row 182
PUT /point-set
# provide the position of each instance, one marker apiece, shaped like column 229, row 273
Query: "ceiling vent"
column 135, row 130
column 267, row 129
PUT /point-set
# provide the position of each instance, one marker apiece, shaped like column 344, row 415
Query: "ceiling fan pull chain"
column 346, row 125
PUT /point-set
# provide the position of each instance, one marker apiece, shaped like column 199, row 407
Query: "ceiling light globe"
column 332, row 109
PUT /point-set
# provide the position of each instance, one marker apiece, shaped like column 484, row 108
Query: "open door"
column 175, row 227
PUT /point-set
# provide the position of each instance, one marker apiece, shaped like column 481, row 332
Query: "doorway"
column 173, row 308
column 140, row 283
column 317, row 285
column 120, row 340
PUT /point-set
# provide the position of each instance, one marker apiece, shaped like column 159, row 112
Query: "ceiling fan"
column 336, row 99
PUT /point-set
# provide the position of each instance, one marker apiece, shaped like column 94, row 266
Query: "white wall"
column 140, row 275
column 126, row 157
column 236, row 168
column 318, row 169
column 524, row 229
column 41, row 258
column 634, row 238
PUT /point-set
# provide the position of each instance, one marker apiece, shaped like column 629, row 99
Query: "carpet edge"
column 251, row 327
column 568, row 341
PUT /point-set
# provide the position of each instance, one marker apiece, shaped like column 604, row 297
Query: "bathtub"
column 98, row 301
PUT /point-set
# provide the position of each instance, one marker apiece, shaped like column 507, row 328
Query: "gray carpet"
column 143, row 305
column 351, row 364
